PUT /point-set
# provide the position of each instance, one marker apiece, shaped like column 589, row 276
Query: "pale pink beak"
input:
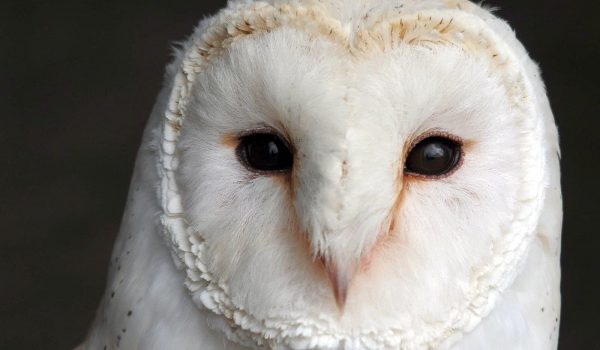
column 340, row 281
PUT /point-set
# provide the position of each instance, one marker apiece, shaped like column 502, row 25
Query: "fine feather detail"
column 424, row 28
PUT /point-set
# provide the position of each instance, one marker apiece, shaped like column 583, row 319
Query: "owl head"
column 356, row 173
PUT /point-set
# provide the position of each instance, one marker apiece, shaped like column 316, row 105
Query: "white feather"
column 470, row 261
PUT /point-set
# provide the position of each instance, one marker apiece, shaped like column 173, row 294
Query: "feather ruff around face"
column 426, row 28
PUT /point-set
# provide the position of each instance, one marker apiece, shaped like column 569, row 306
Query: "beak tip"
column 340, row 283
column 340, row 297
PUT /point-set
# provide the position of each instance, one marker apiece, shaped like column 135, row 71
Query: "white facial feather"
column 352, row 86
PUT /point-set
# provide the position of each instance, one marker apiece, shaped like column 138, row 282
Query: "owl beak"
column 340, row 281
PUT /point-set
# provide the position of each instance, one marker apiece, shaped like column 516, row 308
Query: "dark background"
column 77, row 82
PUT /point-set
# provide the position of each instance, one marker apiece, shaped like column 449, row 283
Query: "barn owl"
column 342, row 174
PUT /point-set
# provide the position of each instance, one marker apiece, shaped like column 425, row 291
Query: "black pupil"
column 433, row 156
column 265, row 152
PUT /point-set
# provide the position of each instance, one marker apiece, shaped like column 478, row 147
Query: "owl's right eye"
column 264, row 152
column 434, row 157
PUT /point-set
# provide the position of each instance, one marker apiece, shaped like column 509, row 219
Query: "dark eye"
column 264, row 152
column 433, row 156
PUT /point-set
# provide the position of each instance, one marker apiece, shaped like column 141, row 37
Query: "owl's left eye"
column 265, row 152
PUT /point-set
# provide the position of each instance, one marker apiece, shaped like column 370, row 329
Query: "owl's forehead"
column 357, row 28
column 302, row 84
column 308, row 54
column 340, row 45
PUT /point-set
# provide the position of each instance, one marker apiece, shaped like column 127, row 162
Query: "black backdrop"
column 78, row 80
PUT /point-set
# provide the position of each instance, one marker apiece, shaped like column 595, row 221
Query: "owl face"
column 350, row 189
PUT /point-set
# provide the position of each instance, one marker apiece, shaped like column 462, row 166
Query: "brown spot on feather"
column 390, row 226
column 544, row 242
column 230, row 140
